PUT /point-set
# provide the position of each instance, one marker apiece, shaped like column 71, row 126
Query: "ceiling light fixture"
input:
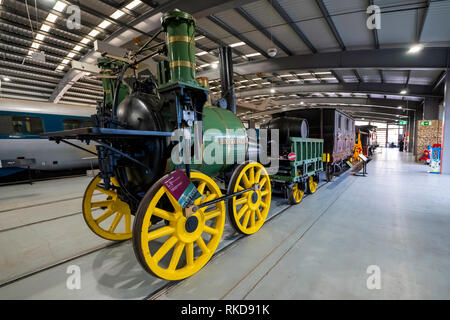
column 59, row 6
column 404, row 91
column 201, row 53
column 94, row 33
column 117, row 14
column 45, row 28
column 415, row 48
column 51, row 17
column 133, row 4
column 237, row 44
column 253, row 54
column 105, row 24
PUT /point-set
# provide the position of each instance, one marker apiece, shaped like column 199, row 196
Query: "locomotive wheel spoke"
column 176, row 255
column 242, row 211
column 172, row 200
column 241, row 200
column 246, row 218
column 161, row 232
column 160, row 251
column 202, row 245
column 251, row 177
column 210, row 230
column 258, row 175
column 109, row 206
column 104, row 203
column 190, row 254
column 115, row 222
column 246, row 181
column 104, row 216
column 253, row 219
column 107, row 192
column 249, row 211
column 258, row 214
column 166, row 215
column 212, row 214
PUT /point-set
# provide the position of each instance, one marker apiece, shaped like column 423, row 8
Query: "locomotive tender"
column 134, row 137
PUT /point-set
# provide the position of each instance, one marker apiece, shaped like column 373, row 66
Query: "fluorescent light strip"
column 45, row 28
column 133, row 4
column 253, row 54
column 51, row 17
column 202, row 53
column 117, row 14
column 94, row 33
column 59, row 6
column 237, row 44
column 105, row 24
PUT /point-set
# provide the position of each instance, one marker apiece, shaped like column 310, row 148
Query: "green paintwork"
column 109, row 84
column 180, row 25
column 219, row 126
column 227, row 127
column 308, row 162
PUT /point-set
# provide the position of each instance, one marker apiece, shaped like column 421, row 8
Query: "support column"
column 412, row 133
column 387, row 135
column 431, row 109
column 226, row 77
column 445, row 161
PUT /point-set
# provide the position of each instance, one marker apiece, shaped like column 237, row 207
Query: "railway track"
column 155, row 292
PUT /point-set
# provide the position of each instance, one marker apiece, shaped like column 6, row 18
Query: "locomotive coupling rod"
column 255, row 187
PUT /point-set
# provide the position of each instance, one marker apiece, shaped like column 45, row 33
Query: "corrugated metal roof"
column 437, row 25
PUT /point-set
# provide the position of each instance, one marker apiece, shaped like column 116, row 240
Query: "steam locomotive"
column 134, row 132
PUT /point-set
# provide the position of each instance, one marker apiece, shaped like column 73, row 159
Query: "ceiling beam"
column 439, row 81
column 263, row 30
column 330, row 23
column 366, row 87
column 430, row 58
column 353, row 108
column 375, row 31
column 422, row 24
column 279, row 9
column 148, row 22
column 236, row 34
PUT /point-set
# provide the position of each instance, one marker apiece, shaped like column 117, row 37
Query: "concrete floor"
column 396, row 218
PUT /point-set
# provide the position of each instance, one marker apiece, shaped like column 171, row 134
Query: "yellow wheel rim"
column 103, row 212
column 297, row 193
column 312, row 184
column 175, row 250
column 249, row 210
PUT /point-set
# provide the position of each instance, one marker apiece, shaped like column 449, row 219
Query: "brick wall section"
column 428, row 135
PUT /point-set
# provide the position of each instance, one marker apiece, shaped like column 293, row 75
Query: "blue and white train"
column 21, row 125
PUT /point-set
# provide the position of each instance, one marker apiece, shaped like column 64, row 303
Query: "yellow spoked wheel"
column 312, row 184
column 296, row 194
column 182, row 246
column 103, row 211
column 248, row 211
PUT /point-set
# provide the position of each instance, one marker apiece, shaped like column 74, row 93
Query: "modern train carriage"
column 368, row 135
column 21, row 125
column 338, row 131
